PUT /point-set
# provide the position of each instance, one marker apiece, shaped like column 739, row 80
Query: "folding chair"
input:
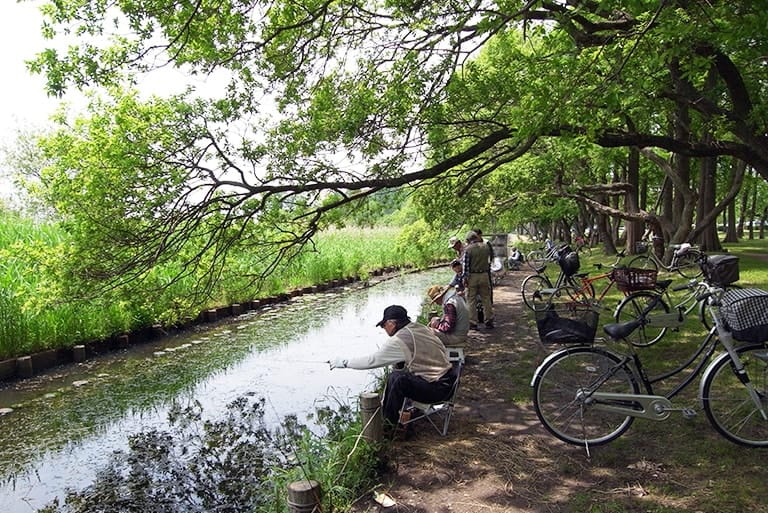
column 438, row 414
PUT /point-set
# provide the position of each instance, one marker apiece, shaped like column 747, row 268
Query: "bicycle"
column 721, row 270
column 538, row 289
column 590, row 396
column 532, row 285
column 538, row 258
column 685, row 260
column 580, row 245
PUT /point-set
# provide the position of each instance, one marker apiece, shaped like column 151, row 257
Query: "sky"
column 23, row 101
column 24, row 104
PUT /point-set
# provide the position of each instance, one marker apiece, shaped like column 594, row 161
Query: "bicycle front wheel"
column 643, row 262
column 536, row 259
column 531, row 290
column 562, row 395
column 632, row 307
column 688, row 264
column 727, row 403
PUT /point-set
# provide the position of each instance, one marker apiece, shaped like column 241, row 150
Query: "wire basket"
column 630, row 279
column 570, row 323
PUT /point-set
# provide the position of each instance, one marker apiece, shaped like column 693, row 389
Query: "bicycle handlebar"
column 712, row 291
column 691, row 284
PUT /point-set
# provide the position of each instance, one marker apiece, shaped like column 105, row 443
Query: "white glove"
column 338, row 363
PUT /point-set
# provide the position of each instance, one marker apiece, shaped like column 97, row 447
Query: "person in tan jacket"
column 421, row 370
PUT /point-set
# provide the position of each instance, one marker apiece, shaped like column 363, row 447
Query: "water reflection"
column 64, row 426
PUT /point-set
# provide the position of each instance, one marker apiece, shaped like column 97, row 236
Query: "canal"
column 64, row 425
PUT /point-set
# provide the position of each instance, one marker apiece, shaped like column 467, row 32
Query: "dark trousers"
column 402, row 384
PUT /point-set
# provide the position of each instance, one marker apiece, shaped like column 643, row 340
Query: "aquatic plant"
column 231, row 464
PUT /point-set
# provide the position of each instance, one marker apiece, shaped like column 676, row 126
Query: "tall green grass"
column 37, row 312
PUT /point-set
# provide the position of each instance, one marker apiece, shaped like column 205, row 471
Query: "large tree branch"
column 716, row 148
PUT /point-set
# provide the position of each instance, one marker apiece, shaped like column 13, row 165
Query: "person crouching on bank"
column 421, row 370
column 453, row 326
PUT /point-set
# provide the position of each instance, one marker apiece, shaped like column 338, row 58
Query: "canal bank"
column 28, row 366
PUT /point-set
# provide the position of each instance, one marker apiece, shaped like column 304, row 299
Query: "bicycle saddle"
column 663, row 284
column 620, row 330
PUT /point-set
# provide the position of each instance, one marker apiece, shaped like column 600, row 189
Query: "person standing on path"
column 476, row 267
column 491, row 256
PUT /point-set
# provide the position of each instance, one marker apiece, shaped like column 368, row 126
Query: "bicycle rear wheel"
column 632, row 307
column 562, row 386
column 531, row 289
column 643, row 262
column 729, row 408
column 688, row 264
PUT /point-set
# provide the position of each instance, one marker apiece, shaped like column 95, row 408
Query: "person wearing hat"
column 476, row 275
column 451, row 327
column 455, row 244
column 426, row 375
column 456, row 281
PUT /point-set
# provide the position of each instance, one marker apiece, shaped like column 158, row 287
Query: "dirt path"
column 498, row 458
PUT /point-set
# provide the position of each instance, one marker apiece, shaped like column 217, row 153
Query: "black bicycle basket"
column 568, row 260
column 721, row 270
column 567, row 323
column 745, row 311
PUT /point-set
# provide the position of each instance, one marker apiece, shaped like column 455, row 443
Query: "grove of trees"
column 555, row 115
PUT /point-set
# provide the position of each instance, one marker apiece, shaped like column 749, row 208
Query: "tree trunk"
column 707, row 239
column 753, row 212
column 743, row 210
column 634, row 231
column 731, row 233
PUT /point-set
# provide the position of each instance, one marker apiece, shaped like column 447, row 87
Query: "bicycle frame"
column 584, row 290
column 658, row 407
column 651, row 406
column 673, row 264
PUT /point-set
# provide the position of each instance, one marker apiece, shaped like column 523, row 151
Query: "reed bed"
column 37, row 311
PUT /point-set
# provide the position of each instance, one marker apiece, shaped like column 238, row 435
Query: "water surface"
column 65, row 424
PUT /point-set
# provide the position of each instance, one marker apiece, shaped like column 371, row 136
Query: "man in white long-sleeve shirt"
column 426, row 375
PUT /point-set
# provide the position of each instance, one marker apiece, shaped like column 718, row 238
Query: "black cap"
column 394, row 312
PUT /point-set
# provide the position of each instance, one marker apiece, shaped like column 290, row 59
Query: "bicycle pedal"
column 689, row 413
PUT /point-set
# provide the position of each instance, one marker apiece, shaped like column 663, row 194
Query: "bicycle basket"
column 630, row 279
column 721, row 270
column 567, row 323
column 745, row 311
column 569, row 262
